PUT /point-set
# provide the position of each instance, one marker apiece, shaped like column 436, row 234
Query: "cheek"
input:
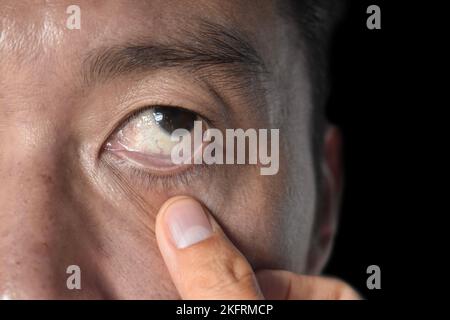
column 269, row 218
column 116, row 243
column 120, row 219
column 251, row 217
column 127, row 258
column 105, row 232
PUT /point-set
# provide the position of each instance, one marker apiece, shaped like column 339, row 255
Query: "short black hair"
column 316, row 21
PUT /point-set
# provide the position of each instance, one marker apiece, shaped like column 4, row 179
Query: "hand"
column 204, row 264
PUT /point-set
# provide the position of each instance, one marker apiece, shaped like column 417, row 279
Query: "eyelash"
column 130, row 116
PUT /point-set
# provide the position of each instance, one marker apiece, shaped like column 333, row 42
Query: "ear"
column 325, row 223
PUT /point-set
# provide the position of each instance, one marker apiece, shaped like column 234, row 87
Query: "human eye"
column 144, row 138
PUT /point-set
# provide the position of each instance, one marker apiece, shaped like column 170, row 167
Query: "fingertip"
column 185, row 221
column 160, row 216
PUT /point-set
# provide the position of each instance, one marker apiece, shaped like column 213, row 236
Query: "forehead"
column 39, row 52
column 32, row 27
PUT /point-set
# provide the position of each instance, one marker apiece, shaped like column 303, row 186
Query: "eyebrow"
column 211, row 48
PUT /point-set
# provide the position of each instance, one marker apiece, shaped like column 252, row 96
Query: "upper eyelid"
column 171, row 89
column 136, row 107
column 135, row 113
column 138, row 111
column 207, row 102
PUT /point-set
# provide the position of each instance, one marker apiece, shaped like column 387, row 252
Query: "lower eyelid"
column 147, row 179
column 157, row 163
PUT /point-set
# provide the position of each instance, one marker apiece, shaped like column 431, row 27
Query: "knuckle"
column 347, row 293
column 227, row 275
column 343, row 291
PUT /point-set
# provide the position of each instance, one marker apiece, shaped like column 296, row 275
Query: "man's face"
column 67, row 199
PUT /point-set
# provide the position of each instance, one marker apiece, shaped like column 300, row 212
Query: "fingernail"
column 187, row 223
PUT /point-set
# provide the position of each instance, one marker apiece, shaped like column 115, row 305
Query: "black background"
column 367, row 103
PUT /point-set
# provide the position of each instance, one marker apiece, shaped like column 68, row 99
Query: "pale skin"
column 66, row 200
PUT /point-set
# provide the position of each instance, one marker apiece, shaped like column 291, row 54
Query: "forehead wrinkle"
column 29, row 31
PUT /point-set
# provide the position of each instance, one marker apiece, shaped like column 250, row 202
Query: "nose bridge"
column 31, row 180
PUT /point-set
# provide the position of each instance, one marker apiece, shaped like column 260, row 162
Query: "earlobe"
column 325, row 223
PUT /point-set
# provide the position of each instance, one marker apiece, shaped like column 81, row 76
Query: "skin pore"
column 66, row 200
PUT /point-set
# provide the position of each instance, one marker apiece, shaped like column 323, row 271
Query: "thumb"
column 201, row 260
column 285, row 285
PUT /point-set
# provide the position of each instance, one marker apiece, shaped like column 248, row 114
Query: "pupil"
column 170, row 119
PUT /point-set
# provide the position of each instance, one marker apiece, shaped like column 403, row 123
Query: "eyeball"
column 149, row 131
